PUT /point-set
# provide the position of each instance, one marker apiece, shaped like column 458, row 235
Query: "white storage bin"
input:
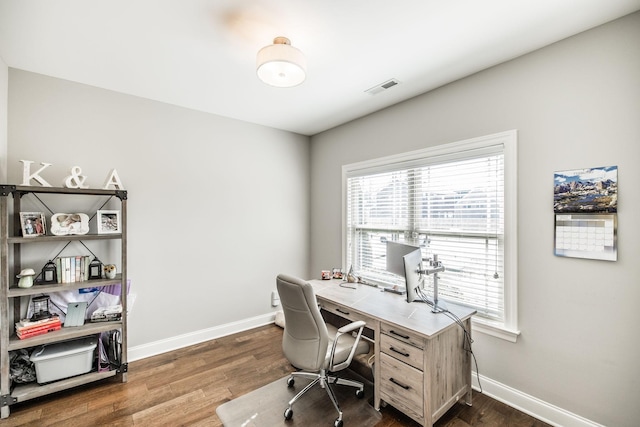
column 62, row 360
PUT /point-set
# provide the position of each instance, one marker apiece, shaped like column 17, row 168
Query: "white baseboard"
column 533, row 406
column 158, row 347
column 516, row 399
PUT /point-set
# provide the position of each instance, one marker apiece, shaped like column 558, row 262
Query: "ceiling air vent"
column 382, row 87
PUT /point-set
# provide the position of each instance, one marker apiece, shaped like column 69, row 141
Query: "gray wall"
column 4, row 88
column 575, row 104
column 217, row 207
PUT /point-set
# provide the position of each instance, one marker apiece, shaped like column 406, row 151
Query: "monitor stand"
column 438, row 306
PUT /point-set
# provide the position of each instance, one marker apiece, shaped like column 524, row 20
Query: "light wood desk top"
column 389, row 307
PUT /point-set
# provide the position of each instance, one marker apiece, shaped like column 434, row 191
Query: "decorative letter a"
column 27, row 176
column 113, row 179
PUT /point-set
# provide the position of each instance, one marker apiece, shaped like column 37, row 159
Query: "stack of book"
column 106, row 314
column 72, row 269
column 27, row 328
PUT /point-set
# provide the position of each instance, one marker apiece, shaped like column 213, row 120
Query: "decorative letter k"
column 27, row 176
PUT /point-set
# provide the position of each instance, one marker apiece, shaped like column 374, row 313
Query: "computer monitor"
column 415, row 275
column 412, row 266
column 394, row 256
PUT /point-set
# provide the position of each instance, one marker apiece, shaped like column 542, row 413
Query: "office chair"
column 317, row 349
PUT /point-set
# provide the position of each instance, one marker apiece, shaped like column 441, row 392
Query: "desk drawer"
column 403, row 335
column 346, row 313
column 401, row 386
column 402, row 351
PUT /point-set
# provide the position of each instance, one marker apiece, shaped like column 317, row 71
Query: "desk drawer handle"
column 343, row 312
column 399, row 352
column 393, row 380
column 406, row 337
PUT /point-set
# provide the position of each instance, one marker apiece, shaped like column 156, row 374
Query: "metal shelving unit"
column 11, row 297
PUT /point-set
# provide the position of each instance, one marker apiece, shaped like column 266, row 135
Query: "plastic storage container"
column 62, row 360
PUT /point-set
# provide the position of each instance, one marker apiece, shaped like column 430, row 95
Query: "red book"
column 28, row 334
column 28, row 325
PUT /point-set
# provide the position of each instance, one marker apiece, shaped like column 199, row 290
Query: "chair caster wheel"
column 337, row 423
column 359, row 394
column 288, row 413
column 290, row 382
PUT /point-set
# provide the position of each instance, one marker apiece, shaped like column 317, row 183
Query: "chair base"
column 325, row 380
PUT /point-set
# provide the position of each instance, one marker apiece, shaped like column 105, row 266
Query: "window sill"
column 495, row 330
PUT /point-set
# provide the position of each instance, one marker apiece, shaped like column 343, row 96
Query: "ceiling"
column 200, row 54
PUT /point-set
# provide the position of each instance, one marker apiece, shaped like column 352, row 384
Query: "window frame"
column 508, row 329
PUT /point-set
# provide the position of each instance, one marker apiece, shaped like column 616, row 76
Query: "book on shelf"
column 27, row 323
column 72, row 269
column 27, row 328
column 36, row 332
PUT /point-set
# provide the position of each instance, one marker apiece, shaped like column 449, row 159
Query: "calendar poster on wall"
column 585, row 207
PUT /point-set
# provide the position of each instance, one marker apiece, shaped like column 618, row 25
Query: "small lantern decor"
column 40, row 308
column 49, row 273
column 95, row 269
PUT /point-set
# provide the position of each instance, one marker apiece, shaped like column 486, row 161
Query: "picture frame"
column 108, row 222
column 63, row 224
column 33, row 224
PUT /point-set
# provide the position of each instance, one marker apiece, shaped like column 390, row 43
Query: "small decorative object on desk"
column 63, row 224
column 351, row 278
column 33, row 224
column 110, row 271
column 26, row 278
column 337, row 273
column 326, row 274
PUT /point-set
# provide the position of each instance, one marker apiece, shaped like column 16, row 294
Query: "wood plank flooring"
column 184, row 388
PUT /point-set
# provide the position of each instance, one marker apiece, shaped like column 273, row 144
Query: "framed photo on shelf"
column 108, row 222
column 33, row 224
column 63, row 224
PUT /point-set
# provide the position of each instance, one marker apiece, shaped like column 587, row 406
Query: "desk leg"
column 376, row 367
column 468, row 396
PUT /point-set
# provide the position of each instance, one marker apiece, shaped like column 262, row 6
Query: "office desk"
column 420, row 365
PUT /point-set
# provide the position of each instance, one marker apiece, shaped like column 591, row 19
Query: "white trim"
column 533, row 406
column 495, row 330
column 510, row 230
column 158, row 347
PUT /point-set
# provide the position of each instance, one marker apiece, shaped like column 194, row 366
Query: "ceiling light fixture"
column 281, row 64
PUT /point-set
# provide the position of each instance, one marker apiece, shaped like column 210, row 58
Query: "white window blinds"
column 449, row 204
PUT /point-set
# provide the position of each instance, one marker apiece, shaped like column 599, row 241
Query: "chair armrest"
column 357, row 325
column 351, row 327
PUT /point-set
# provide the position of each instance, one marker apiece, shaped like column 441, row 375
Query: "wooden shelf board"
column 32, row 390
column 58, row 287
column 63, row 334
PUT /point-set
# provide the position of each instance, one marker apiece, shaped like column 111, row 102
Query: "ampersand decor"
column 75, row 180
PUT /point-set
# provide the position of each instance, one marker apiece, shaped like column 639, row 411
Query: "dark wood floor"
column 184, row 388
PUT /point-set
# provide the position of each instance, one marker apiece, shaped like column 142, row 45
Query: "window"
column 456, row 201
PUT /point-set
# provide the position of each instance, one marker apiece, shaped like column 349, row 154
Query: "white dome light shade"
column 281, row 64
